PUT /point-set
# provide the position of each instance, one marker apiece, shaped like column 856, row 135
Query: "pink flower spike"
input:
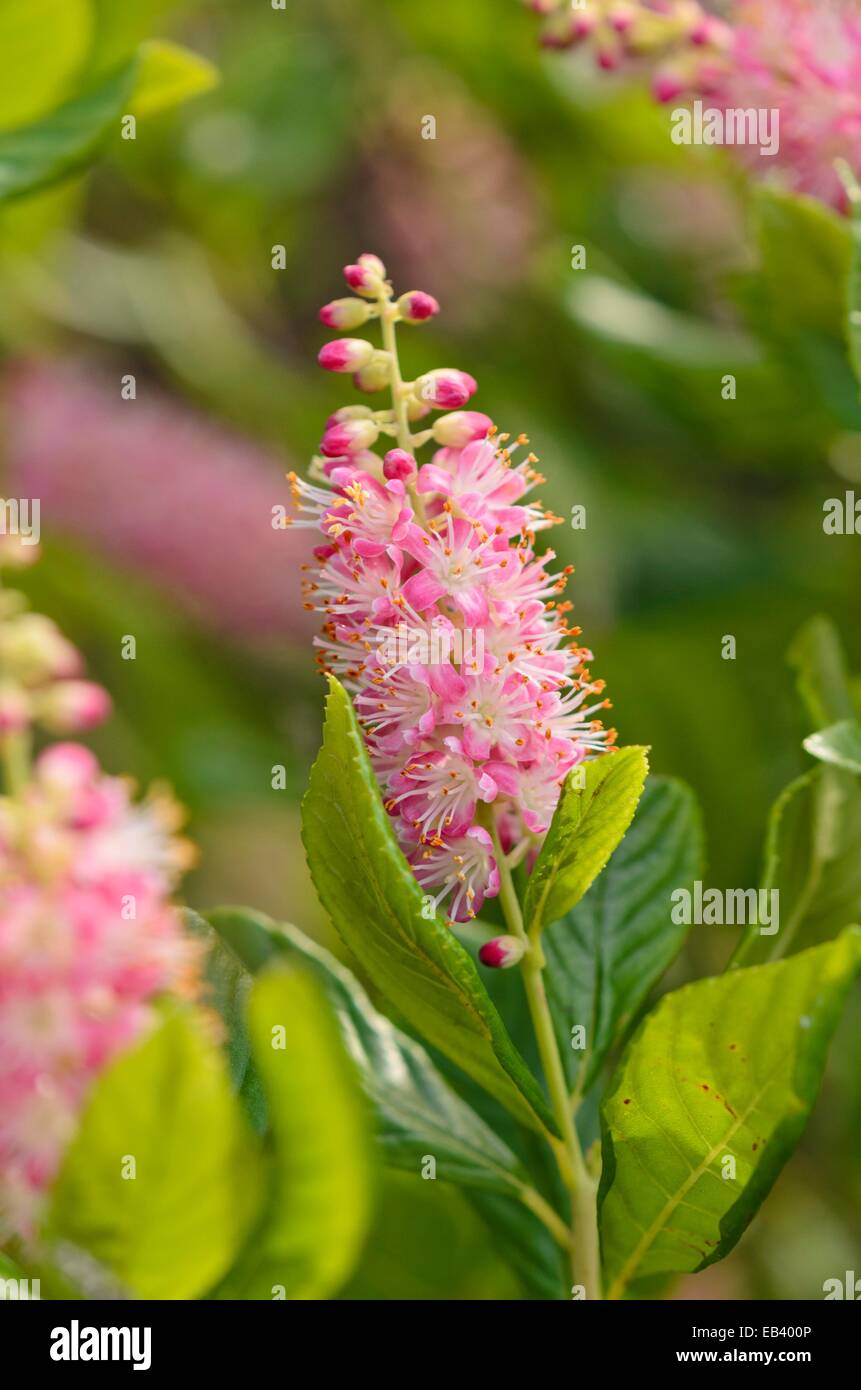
column 450, row 632
column 502, row 952
column 345, row 355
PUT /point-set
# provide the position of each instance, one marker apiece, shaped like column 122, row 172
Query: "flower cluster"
column 802, row 60
column 680, row 44
column 473, row 723
column 88, row 937
column 799, row 58
column 39, row 669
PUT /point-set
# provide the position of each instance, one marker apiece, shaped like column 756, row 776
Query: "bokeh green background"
column 704, row 515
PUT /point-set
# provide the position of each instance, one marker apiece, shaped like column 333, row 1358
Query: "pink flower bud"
column 415, row 306
column 345, row 313
column 502, row 952
column 460, row 428
column 667, row 85
column 349, row 412
column 14, row 709
column 375, row 374
column 446, row 388
column 348, row 437
column 622, row 17
column 367, row 276
column 67, row 766
column 399, row 464
column 345, row 355
column 71, row 706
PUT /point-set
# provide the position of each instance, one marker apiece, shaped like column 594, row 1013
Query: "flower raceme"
column 799, row 59
column 88, row 937
column 679, row 42
column 441, row 618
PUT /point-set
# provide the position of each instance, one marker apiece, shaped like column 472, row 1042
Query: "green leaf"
column 64, row 141
column 595, row 809
column 121, row 27
column 805, row 255
column 68, row 138
column 853, row 314
column 43, row 46
column 416, row 1111
column 366, row 886
column 312, row 1230
column 167, row 75
column 227, row 985
column 172, row 1229
column 605, row 956
column 812, row 862
column 839, row 744
column 816, row 655
column 725, row 1068
column 814, row 830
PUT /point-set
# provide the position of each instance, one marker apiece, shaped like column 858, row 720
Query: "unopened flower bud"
column 349, row 412
column 416, row 409
column 415, row 306
column 67, row 766
column 70, row 706
column 345, row 355
column 460, row 428
column 33, row 649
column 621, row 17
column 345, row 313
column 17, row 552
column 348, row 437
column 14, row 708
column 399, row 464
column 367, row 276
column 375, row 374
column 446, row 388
column 667, row 85
column 502, row 952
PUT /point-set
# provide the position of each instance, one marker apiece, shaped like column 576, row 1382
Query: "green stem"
column 388, row 318
column 15, row 758
column 585, row 1250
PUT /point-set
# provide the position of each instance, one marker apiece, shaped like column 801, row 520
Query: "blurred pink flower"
column 88, row 939
column 157, row 489
column 802, row 59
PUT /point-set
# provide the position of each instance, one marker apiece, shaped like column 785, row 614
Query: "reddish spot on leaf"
column 704, row 1086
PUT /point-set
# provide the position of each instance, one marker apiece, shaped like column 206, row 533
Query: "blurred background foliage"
column 704, row 515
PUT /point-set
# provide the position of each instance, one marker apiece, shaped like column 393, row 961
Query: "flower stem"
column 15, row 758
column 388, row 316
column 585, row 1250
